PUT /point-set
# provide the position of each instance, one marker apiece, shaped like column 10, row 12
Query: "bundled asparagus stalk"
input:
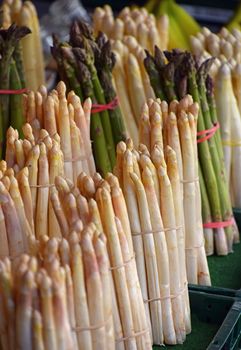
column 16, row 225
column 101, row 202
column 11, row 85
column 85, row 64
column 226, row 46
column 60, row 299
column 43, row 159
column 173, row 80
column 29, row 52
column 148, row 30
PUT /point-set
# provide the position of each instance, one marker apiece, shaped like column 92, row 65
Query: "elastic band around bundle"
column 97, row 108
column 122, row 265
column 167, row 297
column 135, row 335
column 219, row 224
column 142, row 233
column 13, row 92
column 91, row 328
column 208, row 133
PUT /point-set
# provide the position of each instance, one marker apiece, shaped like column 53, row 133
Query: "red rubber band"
column 208, row 133
column 13, row 92
column 97, row 108
column 219, row 224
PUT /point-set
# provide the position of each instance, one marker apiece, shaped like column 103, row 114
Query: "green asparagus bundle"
column 28, row 53
column 226, row 48
column 172, row 80
column 11, row 69
column 85, row 64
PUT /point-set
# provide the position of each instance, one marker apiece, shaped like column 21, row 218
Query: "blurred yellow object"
column 181, row 24
column 25, row 14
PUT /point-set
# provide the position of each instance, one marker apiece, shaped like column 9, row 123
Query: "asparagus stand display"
column 115, row 185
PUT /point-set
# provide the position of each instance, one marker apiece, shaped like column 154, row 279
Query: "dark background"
column 211, row 13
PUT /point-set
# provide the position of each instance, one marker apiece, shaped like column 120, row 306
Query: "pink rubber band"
column 13, row 92
column 208, row 133
column 97, row 108
column 218, row 224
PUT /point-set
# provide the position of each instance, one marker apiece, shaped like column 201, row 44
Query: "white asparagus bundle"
column 16, row 226
column 140, row 176
column 148, row 30
column 43, row 160
column 47, row 153
column 65, row 115
column 163, row 126
column 101, row 201
column 58, row 297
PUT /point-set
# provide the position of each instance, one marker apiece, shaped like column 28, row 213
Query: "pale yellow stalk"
column 169, row 222
column 105, row 276
column 94, row 292
column 41, row 221
column 125, row 105
column 132, row 207
column 135, row 85
column 150, row 261
column 162, row 257
column 64, row 130
column 80, row 298
column 116, row 259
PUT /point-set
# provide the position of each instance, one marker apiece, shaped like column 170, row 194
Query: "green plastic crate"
column 216, row 322
column 216, row 310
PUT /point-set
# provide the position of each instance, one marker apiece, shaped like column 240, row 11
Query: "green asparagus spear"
column 97, row 135
column 154, row 76
column 9, row 38
column 86, row 57
column 17, row 55
column 16, row 110
column 206, row 214
column 203, row 149
column 105, row 62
